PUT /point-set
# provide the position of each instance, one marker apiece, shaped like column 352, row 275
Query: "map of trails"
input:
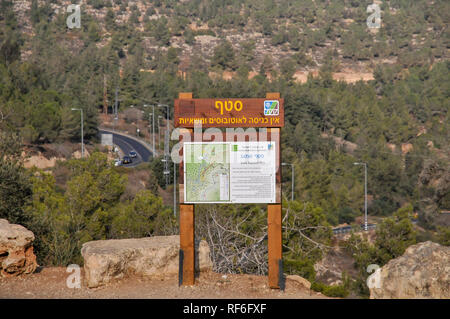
column 207, row 172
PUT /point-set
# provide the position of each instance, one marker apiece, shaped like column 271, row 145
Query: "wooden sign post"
column 187, row 229
column 231, row 113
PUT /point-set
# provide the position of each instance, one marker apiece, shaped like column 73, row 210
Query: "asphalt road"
column 347, row 229
column 127, row 144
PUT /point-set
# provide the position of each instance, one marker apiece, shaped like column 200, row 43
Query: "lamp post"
column 116, row 105
column 82, row 134
column 292, row 178
column 153, row 127
column 166, row 146
column 159, row 130
column 166, row 171
column 150, row 115
column 174, row 189
column 365, row 193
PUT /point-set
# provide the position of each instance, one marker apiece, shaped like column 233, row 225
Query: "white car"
column 133, row 154
column 117, row 162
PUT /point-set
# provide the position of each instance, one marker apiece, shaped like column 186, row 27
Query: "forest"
column 46, row 69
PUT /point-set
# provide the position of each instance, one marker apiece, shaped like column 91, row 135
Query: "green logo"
column 235, row 148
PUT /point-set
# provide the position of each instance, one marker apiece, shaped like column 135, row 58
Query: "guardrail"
column 347, row 229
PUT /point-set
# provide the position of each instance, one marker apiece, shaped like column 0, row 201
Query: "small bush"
column 330, row 291
column 300, row 267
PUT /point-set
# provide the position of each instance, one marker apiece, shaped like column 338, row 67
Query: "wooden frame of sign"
column 229, row 113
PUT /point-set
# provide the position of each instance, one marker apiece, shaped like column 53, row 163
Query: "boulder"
column 106, row 260
column 16, row 250
column 423, row 271
column 302, row 281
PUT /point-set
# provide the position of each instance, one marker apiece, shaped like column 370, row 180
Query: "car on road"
column 127, row 160
column 117, row 162
column 133, row 154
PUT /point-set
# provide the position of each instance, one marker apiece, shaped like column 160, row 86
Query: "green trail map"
column 207, row 172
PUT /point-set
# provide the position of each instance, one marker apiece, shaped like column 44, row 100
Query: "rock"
column 423, row 271
column 77, row 154
column 16, row 250
column 302, row 281
column 106, row 260
column 202, row 256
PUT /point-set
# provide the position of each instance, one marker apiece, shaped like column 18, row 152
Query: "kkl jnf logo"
column 271, row 107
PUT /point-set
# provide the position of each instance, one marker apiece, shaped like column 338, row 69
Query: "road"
column 347, row 229
column 127, row 144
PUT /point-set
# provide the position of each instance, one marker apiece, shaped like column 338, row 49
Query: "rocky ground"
column 51, row 283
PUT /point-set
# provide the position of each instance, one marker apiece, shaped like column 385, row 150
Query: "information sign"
column 229, row 172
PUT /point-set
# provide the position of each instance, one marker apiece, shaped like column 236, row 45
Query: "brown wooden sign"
column 233, row 112
column 269, row 113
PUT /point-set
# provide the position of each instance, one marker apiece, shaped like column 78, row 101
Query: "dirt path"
column 51, row 283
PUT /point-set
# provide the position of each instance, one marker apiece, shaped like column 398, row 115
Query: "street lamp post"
column 166, row 146
column 292, row 178
column 159, row 130
column 166, row 171
column 116, row 105
column 365, row 193
column 174, row 189
column 153, row 127
column 82, row 134
column 150, row 115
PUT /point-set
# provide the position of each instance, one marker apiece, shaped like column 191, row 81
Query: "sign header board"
column 229, row 172
column 229, row 112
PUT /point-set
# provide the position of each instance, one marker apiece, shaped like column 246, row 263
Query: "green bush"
column 301, row 267
column 15, row 181
column 203, row 32
column 330, row 291
column 443, row 235
column 224, row 56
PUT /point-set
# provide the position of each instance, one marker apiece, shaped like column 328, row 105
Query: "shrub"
column 330, row 291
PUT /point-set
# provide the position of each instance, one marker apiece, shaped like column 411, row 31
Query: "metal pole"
column 149, row 125
column 116, row 104
column 159, row 132
column 365, row 196
column 174, row 189
column 82, row 134
column 166, row 145
column 153, row 130
column 365, row 193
